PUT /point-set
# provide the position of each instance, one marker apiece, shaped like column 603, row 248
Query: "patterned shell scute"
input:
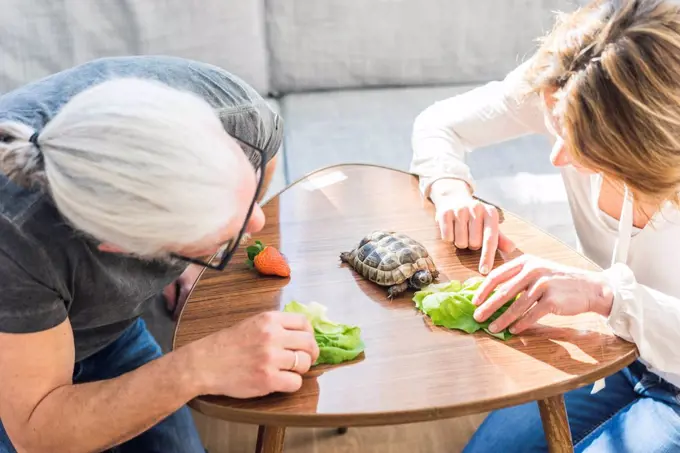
column 389, row 258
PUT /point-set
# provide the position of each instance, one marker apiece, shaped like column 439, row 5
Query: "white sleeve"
column 648, row 318
column 485, row 115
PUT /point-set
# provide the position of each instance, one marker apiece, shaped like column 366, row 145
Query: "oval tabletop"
column 410, row 370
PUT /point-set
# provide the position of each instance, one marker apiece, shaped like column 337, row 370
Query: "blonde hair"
column 133, row 163
column 614, row 68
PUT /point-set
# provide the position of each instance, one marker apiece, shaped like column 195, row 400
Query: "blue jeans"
column 636, row 412
column 135, row 347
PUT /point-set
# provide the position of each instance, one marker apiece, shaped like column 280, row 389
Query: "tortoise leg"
column 395, row 290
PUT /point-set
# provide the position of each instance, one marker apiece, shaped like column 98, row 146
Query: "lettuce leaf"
column 337, row 342
column 449, row 304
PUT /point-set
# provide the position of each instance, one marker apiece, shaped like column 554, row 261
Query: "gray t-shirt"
column 49, row 271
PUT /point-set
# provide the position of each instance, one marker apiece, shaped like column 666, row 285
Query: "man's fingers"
column 293, row 321
column 287, row 381
column 285, row 361
column 301, row 341
column 489, row 240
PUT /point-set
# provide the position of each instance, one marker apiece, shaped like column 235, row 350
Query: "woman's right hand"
column 255, row 357
column 468, row 223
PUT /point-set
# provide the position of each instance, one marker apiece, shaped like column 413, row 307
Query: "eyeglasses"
column 221, row 258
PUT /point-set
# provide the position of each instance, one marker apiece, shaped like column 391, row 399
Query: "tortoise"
column 392, row 259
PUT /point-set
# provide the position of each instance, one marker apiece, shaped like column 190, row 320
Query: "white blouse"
column 639, row 263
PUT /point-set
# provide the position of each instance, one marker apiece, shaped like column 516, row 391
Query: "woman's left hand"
column 546, row 287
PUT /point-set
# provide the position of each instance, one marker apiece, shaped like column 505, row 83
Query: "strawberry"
column 267, row 260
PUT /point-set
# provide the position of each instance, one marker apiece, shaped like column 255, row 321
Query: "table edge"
column 315, row 420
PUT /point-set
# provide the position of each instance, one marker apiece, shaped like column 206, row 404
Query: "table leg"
column 260, row 434
column 556, row 424
column 270, row 439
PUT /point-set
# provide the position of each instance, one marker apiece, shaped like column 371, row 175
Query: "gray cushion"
column 40, row 37
column 374, row 126
column 354, row 43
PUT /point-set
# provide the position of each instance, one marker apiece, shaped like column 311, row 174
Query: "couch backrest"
column 282, row 45
column 40, row 37
column 324, row 44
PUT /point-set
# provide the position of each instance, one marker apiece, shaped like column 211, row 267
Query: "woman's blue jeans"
column 636, row 412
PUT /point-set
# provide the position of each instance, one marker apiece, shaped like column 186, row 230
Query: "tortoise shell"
column 389, row 258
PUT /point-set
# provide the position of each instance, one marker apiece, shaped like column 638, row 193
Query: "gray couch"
column 349, row 76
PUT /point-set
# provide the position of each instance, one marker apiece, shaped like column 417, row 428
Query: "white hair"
column 133, row 163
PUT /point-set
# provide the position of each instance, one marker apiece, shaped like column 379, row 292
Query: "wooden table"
column 411, row 371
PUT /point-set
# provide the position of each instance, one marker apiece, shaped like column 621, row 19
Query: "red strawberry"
column 267, row 260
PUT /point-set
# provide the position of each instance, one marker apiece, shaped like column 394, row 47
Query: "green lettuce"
column 337, row 342
column 449, row 304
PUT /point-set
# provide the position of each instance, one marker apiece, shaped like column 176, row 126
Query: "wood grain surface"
column 411, row 371
column 270, row 439
column 556, row 424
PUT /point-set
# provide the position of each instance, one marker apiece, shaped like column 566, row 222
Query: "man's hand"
column 176, row 293
column 255, row 357
column 42, row 410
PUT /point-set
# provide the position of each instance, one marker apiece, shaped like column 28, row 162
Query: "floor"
column 445, row 436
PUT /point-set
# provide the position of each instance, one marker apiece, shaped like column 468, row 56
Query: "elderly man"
column 121, row 178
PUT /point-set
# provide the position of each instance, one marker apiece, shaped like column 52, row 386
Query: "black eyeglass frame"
column 230, row 247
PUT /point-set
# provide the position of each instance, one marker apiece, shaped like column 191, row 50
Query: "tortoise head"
column 421, row 279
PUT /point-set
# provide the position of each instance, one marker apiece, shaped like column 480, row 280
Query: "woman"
column 605, row 87
column 116, row 175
